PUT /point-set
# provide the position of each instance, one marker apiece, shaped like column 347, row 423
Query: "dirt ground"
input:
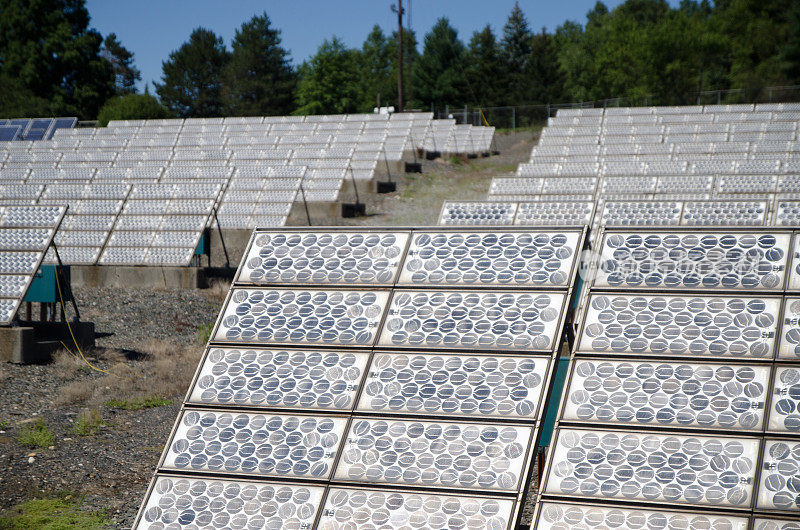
column 148, row 345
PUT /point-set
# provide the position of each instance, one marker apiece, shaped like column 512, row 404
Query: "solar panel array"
column 33, row 129
column 26, row 232
column 681, row 403
column 695, row 166
column 384, row 377
column 260, row 162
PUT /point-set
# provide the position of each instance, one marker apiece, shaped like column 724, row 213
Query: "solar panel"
column 25, row 236
column 496, row 320
column 190, row 502
column 789, row 348
column 455, row 384
column 301, row 317
column 364, row 508
column 543, row 259
column 477, row 213
column 780, row 476
column 763, row 523
column 660, row 394
column 562, row 213
column 680, row 326
column 648, row 467
column 784, row 411
column 562, row 515
column 693, row 260
column 264, row 445
column 472, row 456
column 324, row 257
column 296, row 379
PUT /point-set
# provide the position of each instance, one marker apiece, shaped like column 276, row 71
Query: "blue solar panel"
column 34, row 134
column 9, row 132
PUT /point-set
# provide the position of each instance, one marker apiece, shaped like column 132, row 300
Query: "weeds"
column 87, row 423
column 36, row 434
column 164, row 372
column 52, row 514
column 204, row 333
column 138, row 403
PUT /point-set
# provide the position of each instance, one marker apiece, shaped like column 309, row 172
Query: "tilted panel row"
column 366, row 365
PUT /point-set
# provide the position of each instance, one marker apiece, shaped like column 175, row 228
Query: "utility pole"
column 399, row 10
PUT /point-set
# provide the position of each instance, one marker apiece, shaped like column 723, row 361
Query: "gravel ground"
column 112, row 468
column 150, row 314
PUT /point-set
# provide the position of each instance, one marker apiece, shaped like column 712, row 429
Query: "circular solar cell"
column 434, row 454
column 663, row 468
column 255, row 444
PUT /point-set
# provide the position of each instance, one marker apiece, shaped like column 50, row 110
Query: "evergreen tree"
column 259, row 79
column 541, row 73
column 378, row 64
column 438, row 74
column 517, row 41
column 329, row 81
column 484, row 70
column 191, row 85
column 50, row 60
column 121, row 59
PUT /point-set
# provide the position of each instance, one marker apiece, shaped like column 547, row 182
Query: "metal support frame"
column 221, row 239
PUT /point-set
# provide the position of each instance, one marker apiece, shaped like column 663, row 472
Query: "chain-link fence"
column 529, row 116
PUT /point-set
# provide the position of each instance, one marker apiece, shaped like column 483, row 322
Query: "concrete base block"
column 35, row 342
column 145, row 277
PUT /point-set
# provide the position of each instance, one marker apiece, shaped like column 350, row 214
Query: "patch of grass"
column 35, row 434
column 204, row 332
column 3, row 425
column 87, row 423
column 456, row 160
column 59, row 513
column 138, row 403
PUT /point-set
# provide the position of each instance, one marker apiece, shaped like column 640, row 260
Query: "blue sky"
column 152, row 29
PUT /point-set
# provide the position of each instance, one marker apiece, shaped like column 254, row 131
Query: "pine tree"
column 484, row 70
column 517, row 42
column 50, row 60
column 259, row 79
column 438, row 74
column 121, row 59
column 378, row 63
column 191, row 85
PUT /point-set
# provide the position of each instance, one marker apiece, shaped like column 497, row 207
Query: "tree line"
column 53, row 63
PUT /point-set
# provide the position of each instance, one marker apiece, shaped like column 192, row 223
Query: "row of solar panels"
column 546, row 212
column 635, row 433
column 377, row 432
column 33, row 129
column 155, row 224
